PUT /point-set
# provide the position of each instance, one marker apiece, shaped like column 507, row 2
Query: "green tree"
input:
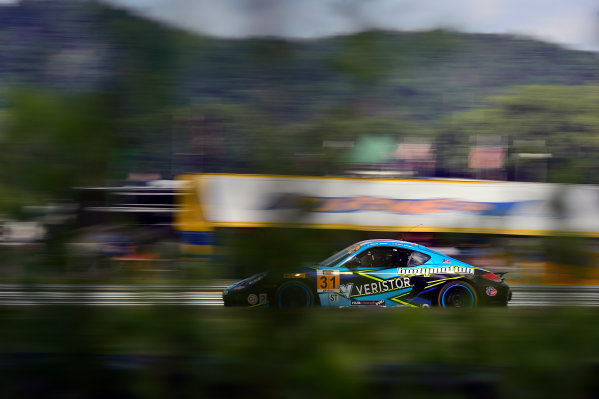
column 52, row 143
column 564, row 118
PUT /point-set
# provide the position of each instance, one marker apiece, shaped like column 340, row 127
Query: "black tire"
column 294, row 294
column 457, row 294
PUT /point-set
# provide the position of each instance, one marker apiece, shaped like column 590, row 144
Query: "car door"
column 369, row 278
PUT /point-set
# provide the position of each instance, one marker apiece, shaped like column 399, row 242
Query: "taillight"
column 491, row 276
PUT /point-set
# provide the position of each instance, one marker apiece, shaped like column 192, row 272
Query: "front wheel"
column 294, row 294
column 457, row 294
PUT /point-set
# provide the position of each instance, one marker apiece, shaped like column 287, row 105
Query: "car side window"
column 366, row 258
column 384, row 257
column 418, row 258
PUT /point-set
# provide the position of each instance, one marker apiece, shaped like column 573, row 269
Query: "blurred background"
column 110, row 110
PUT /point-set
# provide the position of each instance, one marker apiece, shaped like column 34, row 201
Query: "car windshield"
column 338, row 257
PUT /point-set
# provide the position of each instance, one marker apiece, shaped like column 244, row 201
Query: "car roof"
column 391, row 242
column 359, row 246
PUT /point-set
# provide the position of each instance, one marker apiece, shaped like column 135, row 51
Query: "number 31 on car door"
column 327, row 280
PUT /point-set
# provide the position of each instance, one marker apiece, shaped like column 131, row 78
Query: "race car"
column 376, row 273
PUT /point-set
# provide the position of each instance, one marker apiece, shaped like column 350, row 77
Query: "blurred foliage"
column 363, row 58
column 52, row 143
column 146, row 58
column 347, row 353
column 571, row 253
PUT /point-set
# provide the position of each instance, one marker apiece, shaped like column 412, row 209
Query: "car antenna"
column 409, row 231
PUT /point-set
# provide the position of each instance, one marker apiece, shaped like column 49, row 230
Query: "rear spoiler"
column 501, row 274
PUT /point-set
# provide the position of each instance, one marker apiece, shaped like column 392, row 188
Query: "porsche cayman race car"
column 375, row 273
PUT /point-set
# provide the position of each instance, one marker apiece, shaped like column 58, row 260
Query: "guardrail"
column 210, row 295
column 110, row 295
column 554, row 295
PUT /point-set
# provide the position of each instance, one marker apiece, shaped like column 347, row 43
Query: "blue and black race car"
column 375, row 273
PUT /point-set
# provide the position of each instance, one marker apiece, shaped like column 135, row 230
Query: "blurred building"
column 530, row 160
column 487, row 157
column 416, row 155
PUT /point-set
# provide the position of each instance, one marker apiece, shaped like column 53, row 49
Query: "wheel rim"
column 294, row 296
column 457, row 296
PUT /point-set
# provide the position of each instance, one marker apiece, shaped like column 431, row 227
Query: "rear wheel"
column 294, row 294
column 457, row 294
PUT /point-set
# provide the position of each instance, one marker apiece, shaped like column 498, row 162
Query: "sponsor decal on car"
column 376, row 287
column 427, row 271
column 354, row 249
column 333, row 298
column 383, row 286
column 252, row 299
column 346, row 289
column 327, row 281
column 491, row 291
column 263, row 299
column 369, row 303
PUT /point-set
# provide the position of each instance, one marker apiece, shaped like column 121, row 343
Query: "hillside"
column 87, row 46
